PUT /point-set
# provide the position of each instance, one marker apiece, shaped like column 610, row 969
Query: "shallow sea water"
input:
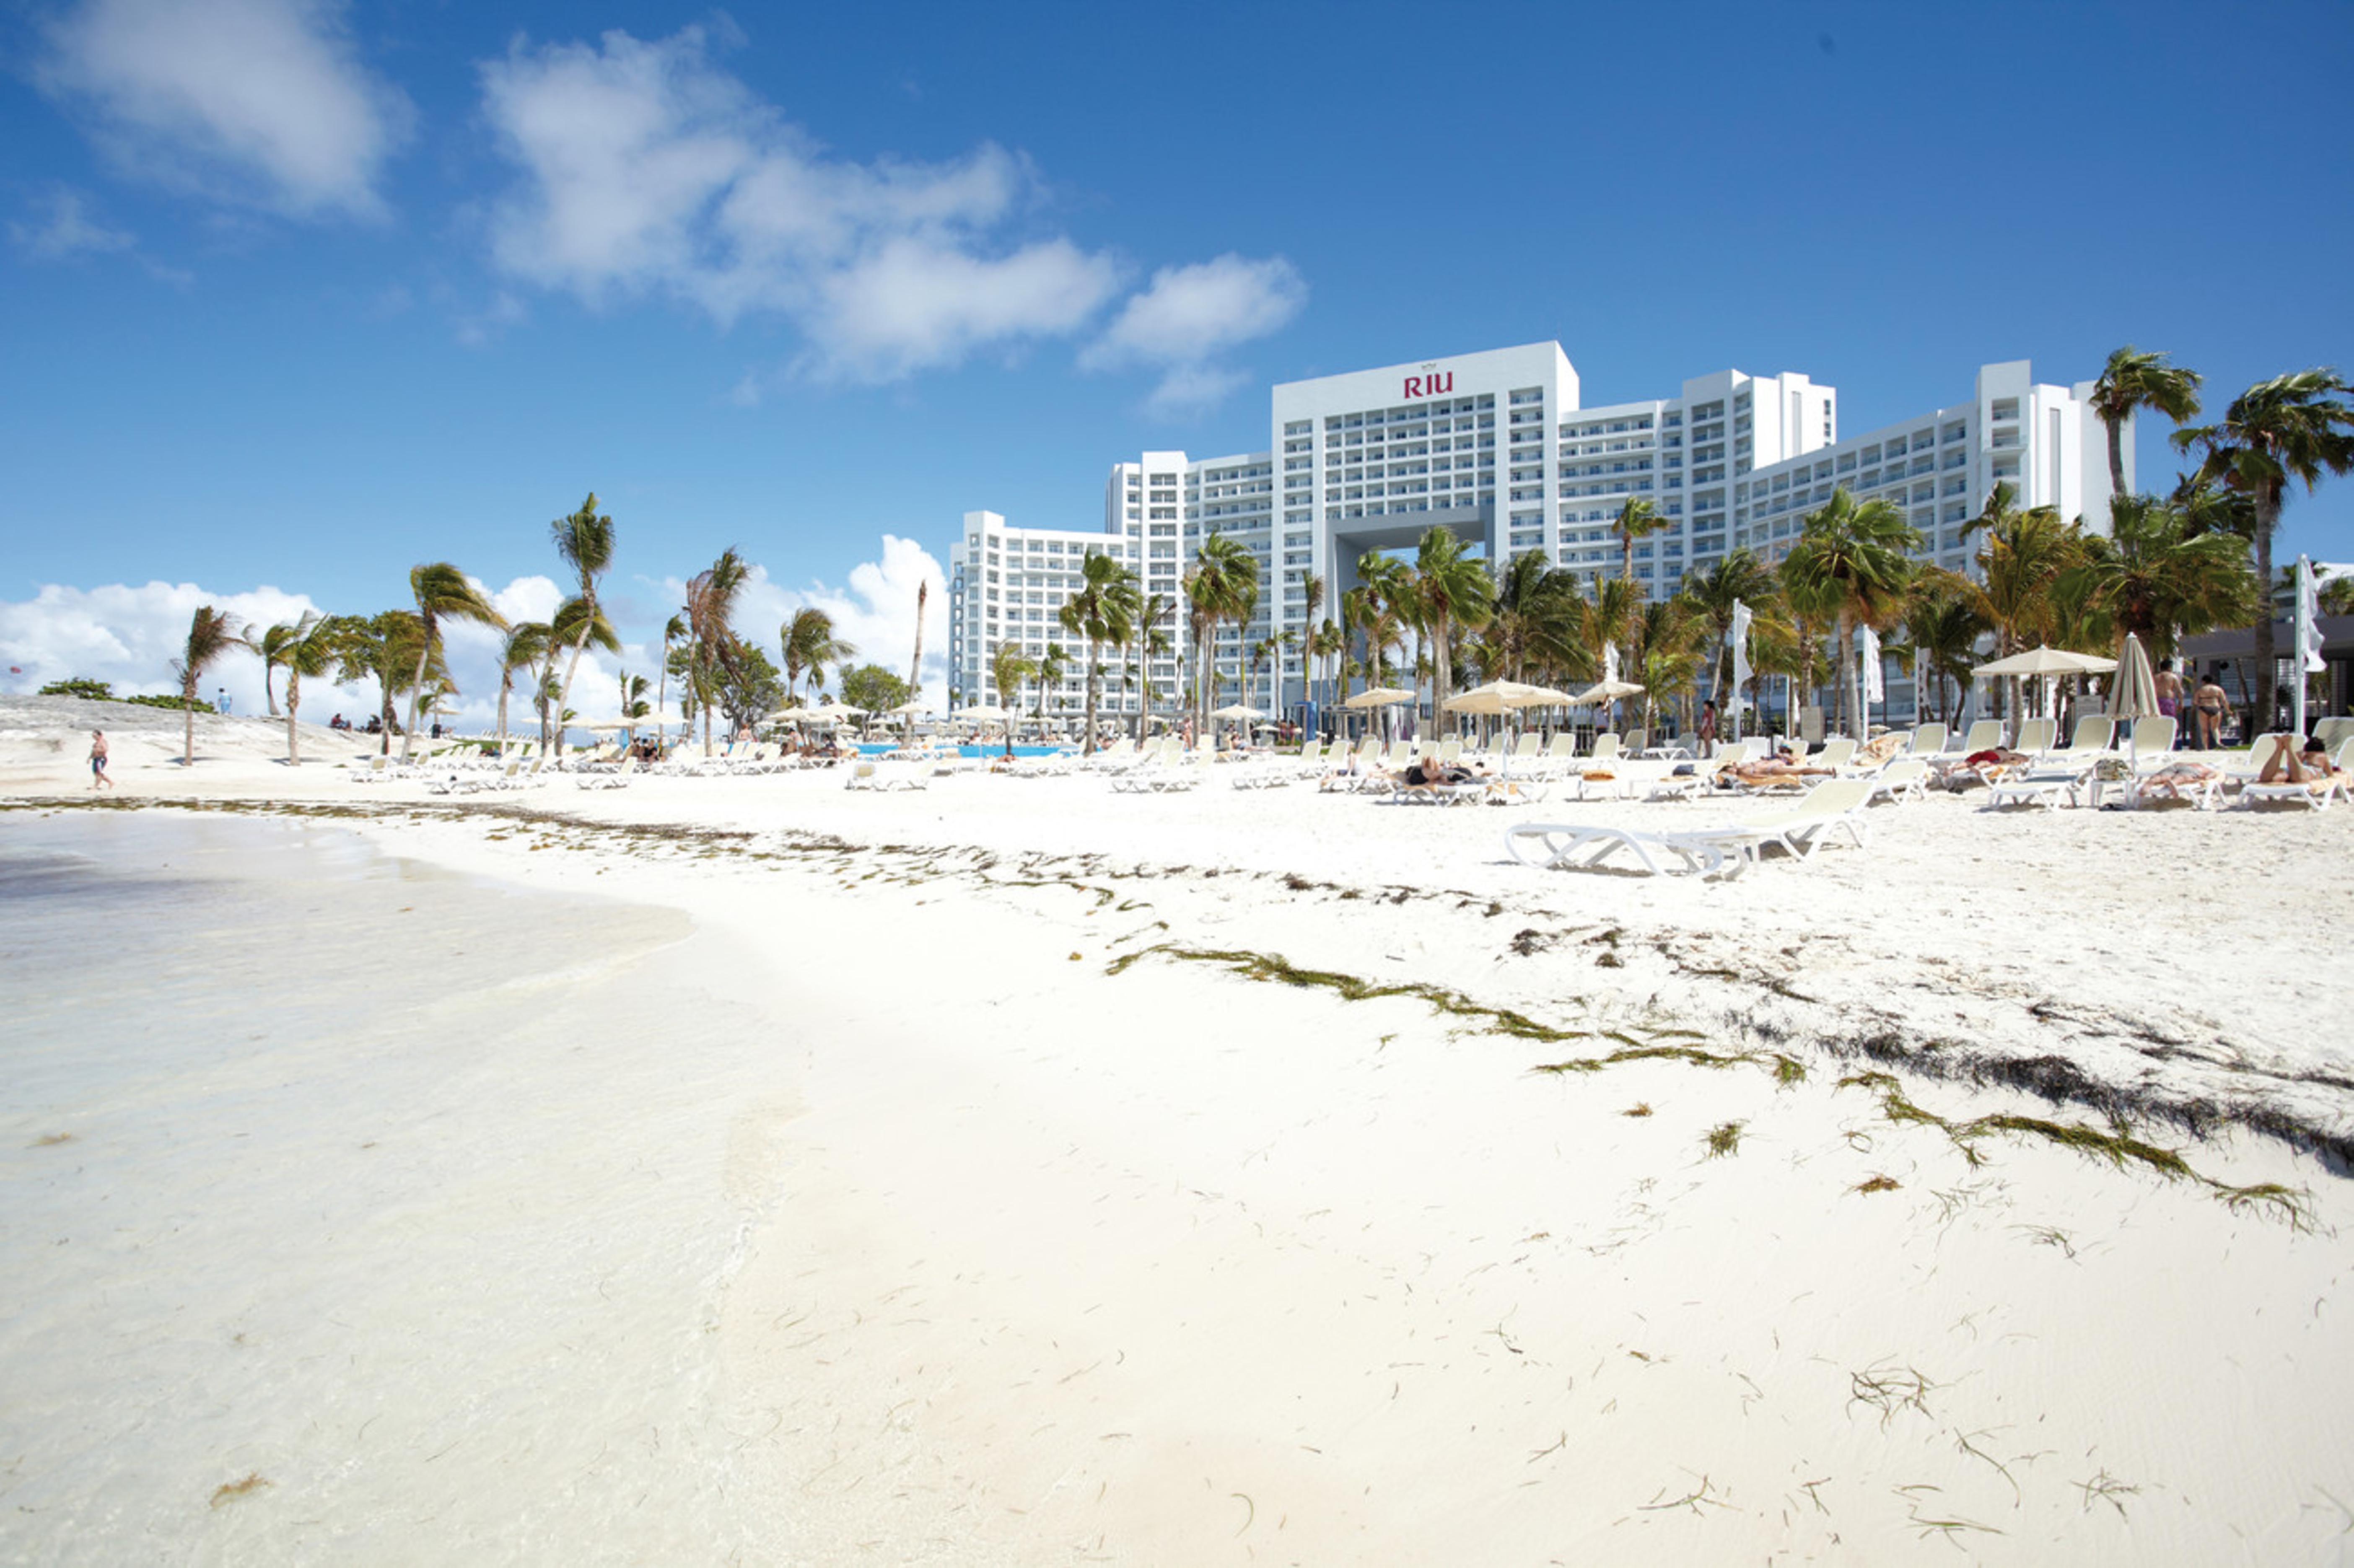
column 353, row 1212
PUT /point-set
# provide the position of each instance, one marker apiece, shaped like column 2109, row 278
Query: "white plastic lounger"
column 1928, row 739
column 1835, row 804
column 619, row 778
column 870, row 775
column 1905, row 779
column 2047, row 788
column 1985, row 736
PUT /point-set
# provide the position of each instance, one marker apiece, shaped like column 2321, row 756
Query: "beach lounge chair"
column 1633, row 742
column 2096, row 734
column 1606, row 747
column 619, row 778
column 1905, row 779
column 2036, row 736
column 1928, row 739
column 867, row 774
column 2041, row 785
column 2313, row 794
column 1833, row 805
column 1837, row 752
column 1985, row 735
column 2180, row 779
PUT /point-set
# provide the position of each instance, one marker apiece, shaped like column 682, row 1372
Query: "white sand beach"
column 1011, row 1172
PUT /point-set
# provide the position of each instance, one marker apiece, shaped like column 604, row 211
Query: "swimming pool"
column 877, row 747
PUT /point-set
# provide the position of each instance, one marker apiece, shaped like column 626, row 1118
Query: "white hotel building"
column 1496, row 445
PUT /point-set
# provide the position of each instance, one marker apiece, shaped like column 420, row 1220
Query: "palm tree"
column 2156, row 578
column 2292, row 428
column 2336, row 595
column 711, row 596
column 211, row 633
column 1667, row 635
column 1943, row 624
column 674, row 632
column 1050, row 669
column 810, row 644
column 2137, row 379
column 1452, row 590
column 525, row 645
column 274, row 642
column 1637, row 519
column 381, row 647
column 1851, row 563
column 1151, row 642
column 1104, row 609
column 1007, row 670
column 576, row 623
column 1221, row 586
column 585, row 541
column 305, row 647
column 1741, row 578
column 443, row 593
column 2024, row 556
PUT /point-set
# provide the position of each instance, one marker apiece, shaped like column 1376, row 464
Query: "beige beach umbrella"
column 2133, row 695
column 1504, row 697
column 984, row 713
column 1604, row 692
column 1379, row 697
column 832, row 713
column 1236, row 711
column 2046, row 661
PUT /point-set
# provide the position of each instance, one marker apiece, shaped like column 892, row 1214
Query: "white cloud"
column 1189, row 316
column 1188, row 389
column 648, row 170
column 127, row 635
column 261, row 102
column 68, row 229
column 874, row 608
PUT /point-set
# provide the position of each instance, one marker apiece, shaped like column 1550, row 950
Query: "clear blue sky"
column 302, row 294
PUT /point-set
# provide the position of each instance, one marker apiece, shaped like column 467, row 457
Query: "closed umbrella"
column 2133, row 695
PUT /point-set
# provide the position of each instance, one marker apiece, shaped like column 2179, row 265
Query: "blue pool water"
column 877, row 747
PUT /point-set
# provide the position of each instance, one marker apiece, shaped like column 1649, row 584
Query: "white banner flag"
column 1739, row 656
column 1875, row 678
column 2309, row 620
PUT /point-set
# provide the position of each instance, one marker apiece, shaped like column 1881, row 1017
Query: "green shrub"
column 175, row 704
column 94, row 691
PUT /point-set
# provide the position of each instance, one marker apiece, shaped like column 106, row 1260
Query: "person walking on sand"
column 98, row 778
column 1707, row 729
column 2169, row 693
column 2211, row 702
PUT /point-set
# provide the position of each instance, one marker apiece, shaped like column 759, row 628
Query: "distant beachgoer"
column 339, row 722
column 1707, row 729
column 2212, row 703
column 221, row 701
column 98, row 778
column 2169, row 689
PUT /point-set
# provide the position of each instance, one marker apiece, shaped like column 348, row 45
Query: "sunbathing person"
column 2183, row 780
column 1783, row 768
column 2286, row 766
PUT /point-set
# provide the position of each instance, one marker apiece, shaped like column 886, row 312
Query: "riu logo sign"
column 1436, row 385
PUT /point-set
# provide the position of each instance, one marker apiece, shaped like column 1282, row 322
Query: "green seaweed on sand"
column 1723, row 1139
column 1350, row 988
column 2116, row 1145
column 1876, row 1184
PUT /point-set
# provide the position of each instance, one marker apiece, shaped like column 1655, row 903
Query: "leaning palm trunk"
column 416, row 691
column 572, row 667
column 293, row 701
